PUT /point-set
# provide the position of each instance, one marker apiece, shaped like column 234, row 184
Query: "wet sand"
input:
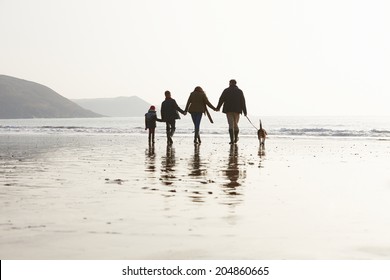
column 114, row 197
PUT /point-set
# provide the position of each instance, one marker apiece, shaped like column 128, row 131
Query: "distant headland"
column 22, row 99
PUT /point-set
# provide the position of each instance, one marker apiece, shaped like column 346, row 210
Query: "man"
column 169, row 115
column 233, row 101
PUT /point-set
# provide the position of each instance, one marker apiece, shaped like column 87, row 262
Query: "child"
column 150, row 122
column 169, row 115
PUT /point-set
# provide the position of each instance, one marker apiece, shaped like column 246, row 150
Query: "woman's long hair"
column 199, row 89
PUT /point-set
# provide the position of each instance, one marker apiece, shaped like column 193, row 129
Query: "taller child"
column 169, row 115
column 233, row 101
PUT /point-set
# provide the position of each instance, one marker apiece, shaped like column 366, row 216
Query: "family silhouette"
column 232, row 99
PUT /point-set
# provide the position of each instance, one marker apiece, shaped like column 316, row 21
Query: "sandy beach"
column 114, row 197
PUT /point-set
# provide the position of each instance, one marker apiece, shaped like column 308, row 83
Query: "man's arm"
column 179, row 109
column 221, row 100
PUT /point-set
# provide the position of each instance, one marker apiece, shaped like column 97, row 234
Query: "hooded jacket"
column 150, row 119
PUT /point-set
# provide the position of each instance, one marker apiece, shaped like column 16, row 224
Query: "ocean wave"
column 324, row 132
column 376, row 128
column 378, row 131
column 275, row 132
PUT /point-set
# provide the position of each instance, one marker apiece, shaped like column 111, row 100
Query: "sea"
column 370, row 127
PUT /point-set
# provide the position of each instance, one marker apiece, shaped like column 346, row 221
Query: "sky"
column 290, row 57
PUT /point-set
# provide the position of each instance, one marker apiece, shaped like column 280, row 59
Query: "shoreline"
column 113, row 197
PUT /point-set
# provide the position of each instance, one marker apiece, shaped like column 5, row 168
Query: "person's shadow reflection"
column 232, row 172
column 197, row 173
column 150, row 161
column 234, row 175
column 195, row 164
column 168, row 166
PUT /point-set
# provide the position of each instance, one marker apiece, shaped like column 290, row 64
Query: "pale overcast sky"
column 312, row 57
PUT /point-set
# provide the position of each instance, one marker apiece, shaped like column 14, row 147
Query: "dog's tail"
column 261, row 127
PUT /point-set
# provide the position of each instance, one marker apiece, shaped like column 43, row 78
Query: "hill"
column 132, row 106
column 21, row 99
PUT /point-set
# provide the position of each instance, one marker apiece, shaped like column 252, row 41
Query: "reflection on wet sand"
column 235, row 176
column 196, row 166
column 261, row 154
column 197, row 175
column 261, row 151
column 232, row 171
column 25, row 159
column 53, row 188
column 168, row 163
column 150, row 161
column 222, row 184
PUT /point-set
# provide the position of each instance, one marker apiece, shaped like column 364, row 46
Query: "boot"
column 172, row 131
column 169, row 139
column 170, row 135
column 236, row 135
column 231, row 136
column 197, row 137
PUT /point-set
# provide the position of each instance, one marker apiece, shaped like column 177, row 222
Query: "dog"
column 261, row 135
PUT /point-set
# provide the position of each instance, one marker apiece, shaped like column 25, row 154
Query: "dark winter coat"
column 197, row 103
column 169, row 110
column 233, row 101
column 150, row 119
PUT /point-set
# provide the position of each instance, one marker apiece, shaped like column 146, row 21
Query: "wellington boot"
column 197, row 137
column 236, row 135
column 231, row 136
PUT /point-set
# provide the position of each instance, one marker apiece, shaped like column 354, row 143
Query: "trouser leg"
column 231, row 134
column 173, row 127
column 236, row 131
column 233, row 119
column 196, row 119
column 168, row 131
column 151, row 134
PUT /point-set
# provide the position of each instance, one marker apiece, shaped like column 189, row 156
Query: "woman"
column 196, row 106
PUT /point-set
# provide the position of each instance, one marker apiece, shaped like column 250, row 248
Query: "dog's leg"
column 262, row 142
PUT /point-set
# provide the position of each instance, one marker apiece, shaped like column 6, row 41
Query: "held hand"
column 146, row 128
